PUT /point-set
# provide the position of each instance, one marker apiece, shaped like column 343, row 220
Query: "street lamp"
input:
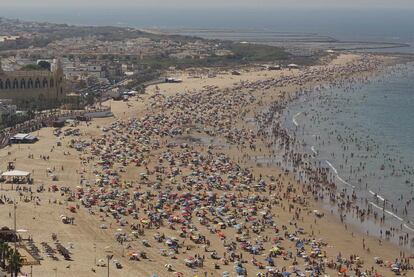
column 14, row 221
column 94, row 250
column 109, row 257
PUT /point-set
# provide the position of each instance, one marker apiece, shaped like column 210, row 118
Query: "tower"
column 59, row 67
column 60, row 80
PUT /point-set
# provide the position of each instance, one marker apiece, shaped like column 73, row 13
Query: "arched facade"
column 33, row 84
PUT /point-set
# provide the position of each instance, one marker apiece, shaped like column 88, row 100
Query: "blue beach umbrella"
column 299, row 244
column 239, row 270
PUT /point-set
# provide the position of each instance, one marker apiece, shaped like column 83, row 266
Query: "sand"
column 89, row 243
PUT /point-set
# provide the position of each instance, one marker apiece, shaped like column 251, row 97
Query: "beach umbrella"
column 299, row 244
column 343, row 270
column 240, row 270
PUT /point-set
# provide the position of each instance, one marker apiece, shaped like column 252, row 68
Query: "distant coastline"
column 313, row 41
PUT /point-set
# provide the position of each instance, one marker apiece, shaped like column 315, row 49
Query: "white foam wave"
column 332, row 167
column 408, row 227
column 337, row 175
column 387, row 211
column 377, row 195
column 294, row 118
column 345, row 182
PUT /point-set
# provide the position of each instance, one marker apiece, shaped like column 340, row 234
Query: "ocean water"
column 392, row 25
column 364, row 132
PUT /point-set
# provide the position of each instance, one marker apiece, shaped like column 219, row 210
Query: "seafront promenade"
column 46, row 119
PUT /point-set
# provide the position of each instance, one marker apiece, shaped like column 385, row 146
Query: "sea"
column 363, row 132
column 318, row 25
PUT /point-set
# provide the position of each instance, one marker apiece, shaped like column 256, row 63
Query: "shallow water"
column 365, row 134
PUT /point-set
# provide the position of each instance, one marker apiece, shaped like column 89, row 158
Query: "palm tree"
column 2, row 247
column 4, row 253
column 15, row 262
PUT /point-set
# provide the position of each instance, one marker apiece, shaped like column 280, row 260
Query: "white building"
column 83, row 70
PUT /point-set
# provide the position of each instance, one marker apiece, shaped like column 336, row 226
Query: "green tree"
column 44, row 65
column 15, row 262
column 4, row 251
column 30, row 67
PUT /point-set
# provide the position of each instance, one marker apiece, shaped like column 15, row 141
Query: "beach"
column 194, row 179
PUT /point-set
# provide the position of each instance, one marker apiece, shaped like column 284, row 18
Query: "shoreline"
column 393, row 246
column 362, row 224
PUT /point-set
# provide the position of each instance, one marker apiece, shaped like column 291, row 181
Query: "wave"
column 337, row 175
column 345, row 182
column 377, row 195
column 332, row 167
column 294, row 118
column 408, row 227
column 387, row 211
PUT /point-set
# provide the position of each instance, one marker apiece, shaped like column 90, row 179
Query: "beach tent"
column 292, row 65
column 16, row 176
column 23, row 138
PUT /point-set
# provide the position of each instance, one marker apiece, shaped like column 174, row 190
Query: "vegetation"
column 10, row 259
column 30, row 67
column 35, row 104
column 7, row 120
column 257, row 52
column 44, row 65
column 242, row 54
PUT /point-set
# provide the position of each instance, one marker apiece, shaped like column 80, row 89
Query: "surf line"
column 294, row 119
column 393, row 215
column 408, row 227
column 387, row 211
column 377, row 196
column 337, row 175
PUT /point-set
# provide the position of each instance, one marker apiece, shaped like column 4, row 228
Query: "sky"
column 193, row 4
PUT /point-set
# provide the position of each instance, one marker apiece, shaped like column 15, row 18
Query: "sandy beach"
column 177, row 184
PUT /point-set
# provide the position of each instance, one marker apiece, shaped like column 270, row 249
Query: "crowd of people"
column 180, row 179
column 193, row 188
